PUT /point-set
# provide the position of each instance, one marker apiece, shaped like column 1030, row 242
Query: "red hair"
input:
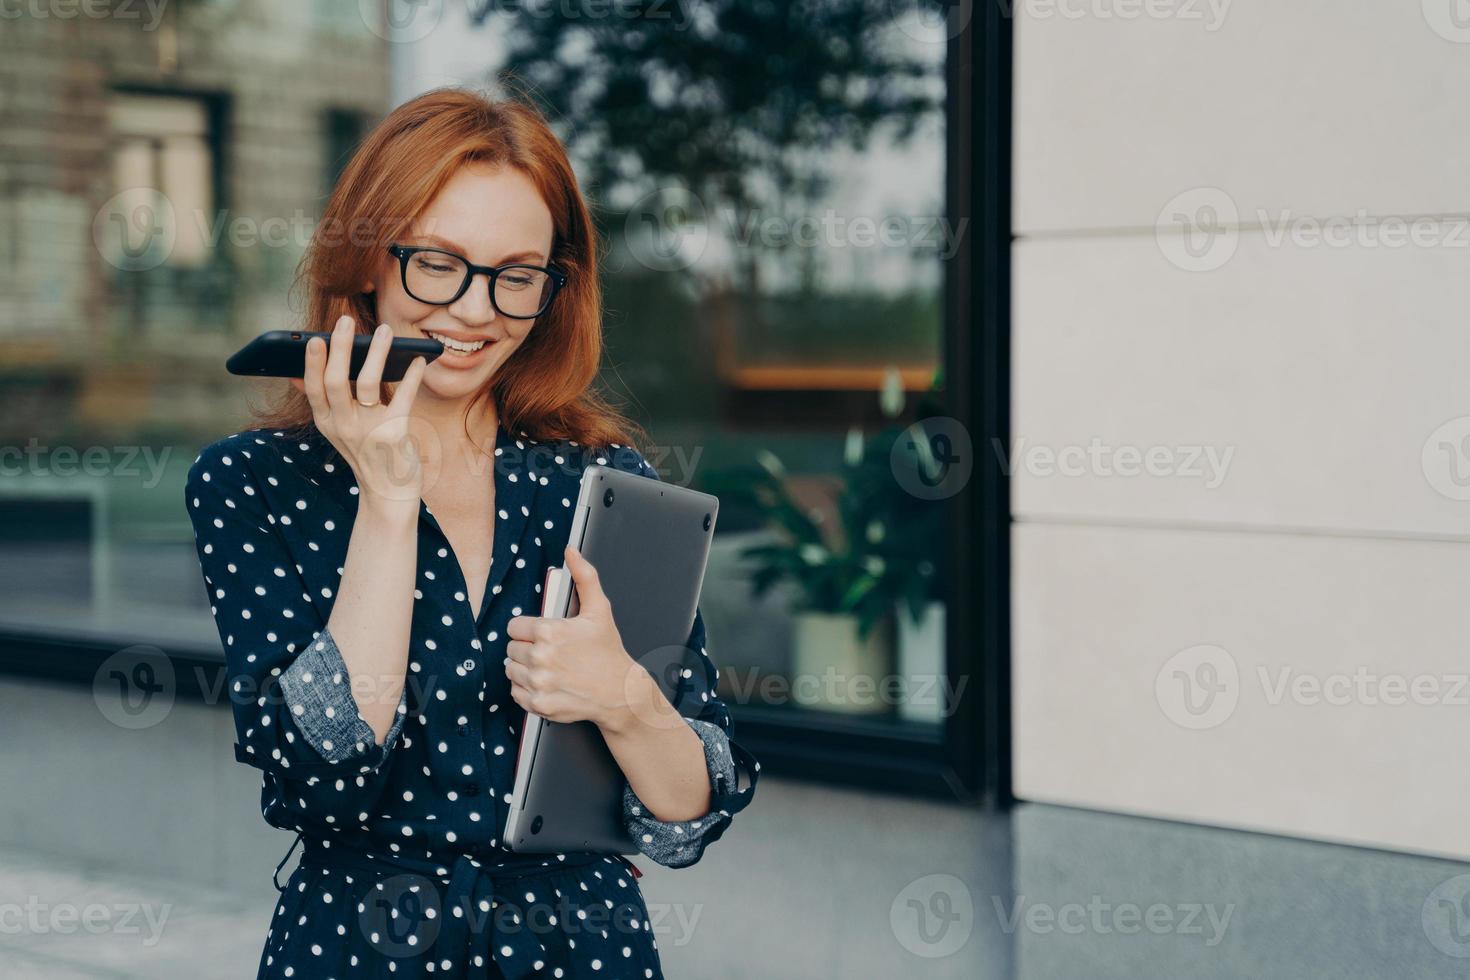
column 545, row 387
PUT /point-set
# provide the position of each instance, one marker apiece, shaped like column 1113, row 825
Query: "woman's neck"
column 449, row 422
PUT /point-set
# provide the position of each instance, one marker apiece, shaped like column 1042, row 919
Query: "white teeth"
column 456, row 345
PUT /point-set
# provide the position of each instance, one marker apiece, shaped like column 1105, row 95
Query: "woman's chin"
column 448, row 384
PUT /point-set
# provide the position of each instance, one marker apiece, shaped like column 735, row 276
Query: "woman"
column 374, row 555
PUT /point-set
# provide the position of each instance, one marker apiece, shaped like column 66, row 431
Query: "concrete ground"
column 60, row 921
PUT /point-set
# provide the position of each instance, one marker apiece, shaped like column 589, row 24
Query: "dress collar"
column 521, row 466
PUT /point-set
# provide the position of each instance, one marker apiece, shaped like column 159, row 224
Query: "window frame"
column 969, row 757
column 216, row 105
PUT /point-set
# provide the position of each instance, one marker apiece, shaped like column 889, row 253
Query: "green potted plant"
column 859, row 580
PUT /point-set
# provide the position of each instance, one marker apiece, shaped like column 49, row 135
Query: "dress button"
column 469, row 665
column 464, row 729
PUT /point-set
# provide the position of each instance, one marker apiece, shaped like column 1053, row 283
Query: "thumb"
column 590, row 597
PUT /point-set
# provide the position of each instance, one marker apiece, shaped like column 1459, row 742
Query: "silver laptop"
column 649, row 542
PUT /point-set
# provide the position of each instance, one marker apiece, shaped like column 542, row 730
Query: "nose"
column 475, row 306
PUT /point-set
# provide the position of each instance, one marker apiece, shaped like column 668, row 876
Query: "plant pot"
column 832, row 670
column 921, row 664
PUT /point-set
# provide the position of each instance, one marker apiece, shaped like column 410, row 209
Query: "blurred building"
column 161, row 169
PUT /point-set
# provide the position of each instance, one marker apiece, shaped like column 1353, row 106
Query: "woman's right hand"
column 376, row 440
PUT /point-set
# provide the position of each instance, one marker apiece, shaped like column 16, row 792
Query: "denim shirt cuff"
column 676, row 843
column 318, row 691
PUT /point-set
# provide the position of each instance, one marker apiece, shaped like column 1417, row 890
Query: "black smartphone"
column 282, row 354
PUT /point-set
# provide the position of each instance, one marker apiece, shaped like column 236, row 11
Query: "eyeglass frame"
column 405, row 252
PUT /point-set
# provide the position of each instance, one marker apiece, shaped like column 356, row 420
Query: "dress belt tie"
column 402, row 917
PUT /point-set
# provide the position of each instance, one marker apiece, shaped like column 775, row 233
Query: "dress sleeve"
column 680, row 843
column 290, row 691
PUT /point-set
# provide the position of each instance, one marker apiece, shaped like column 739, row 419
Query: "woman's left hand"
column 574, row 669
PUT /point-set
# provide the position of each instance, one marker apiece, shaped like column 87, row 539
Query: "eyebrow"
column 436, row 242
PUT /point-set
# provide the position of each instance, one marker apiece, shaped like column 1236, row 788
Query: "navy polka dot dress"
column 402, row 872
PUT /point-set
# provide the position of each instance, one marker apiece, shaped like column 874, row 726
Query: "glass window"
column 773, row 195
column 155, row 210
column 343, row 129
column 161, row 144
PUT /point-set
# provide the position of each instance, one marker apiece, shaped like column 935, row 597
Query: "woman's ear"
column 369, row 287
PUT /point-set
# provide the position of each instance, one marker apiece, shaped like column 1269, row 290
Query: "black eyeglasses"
column 437, row 277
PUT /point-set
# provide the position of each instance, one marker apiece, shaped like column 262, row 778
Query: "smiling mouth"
column 458, row 346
